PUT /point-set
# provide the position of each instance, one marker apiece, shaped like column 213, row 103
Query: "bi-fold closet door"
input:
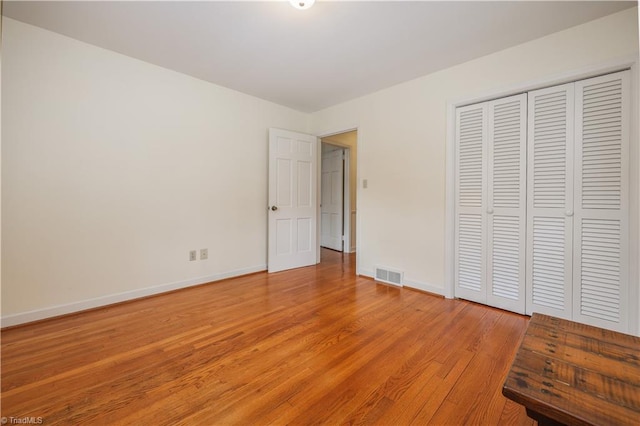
column 542, row 201
column 490, row 202
column 550, row 182
column 578, row 201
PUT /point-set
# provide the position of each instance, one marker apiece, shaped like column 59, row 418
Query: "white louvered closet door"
column 550, row 201
column 506, row 204
column 600, row 265
column 470, row 203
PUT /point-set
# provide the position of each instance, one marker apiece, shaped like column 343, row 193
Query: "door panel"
column 490, row 203
column 470, row 224
column 601, row 212
column 292, row 200
column 550, row 201
column 332, row 200
column 506, row 176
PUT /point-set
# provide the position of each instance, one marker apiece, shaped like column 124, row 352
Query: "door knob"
column 569, row 213
column 274, row 208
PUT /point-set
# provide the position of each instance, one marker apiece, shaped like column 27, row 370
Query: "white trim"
column 353, row 214
column 346, row 195
column 54, row 311
column 429, row 288
column 449, row 220
column 338, row 132
column 634, row 204
column 627, row 62
column 318, row 198
column 346, row 200
column 358, row 243
column 368, row 273
column 554, row 80
column 358, row 246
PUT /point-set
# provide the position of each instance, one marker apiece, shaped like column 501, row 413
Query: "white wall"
column 402, row 133
column 113, row 169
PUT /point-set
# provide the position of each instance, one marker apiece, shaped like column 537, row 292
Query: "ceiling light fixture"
column 302, row 4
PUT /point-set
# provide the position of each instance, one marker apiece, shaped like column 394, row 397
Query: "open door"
column 292, row 206
column 331, row 210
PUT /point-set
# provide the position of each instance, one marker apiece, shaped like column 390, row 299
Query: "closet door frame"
column 619, row 64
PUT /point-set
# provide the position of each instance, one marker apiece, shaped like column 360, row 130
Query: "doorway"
column 338, row 192
column 332, row 205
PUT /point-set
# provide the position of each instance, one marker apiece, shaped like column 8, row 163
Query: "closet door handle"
column 569, row 213
column 490, row 210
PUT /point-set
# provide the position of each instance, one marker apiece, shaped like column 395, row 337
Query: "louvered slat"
column 602, row 145
column 600, row 269
column 507, row 146
column 549, row 158
column 470, row 158
column 573, row 200
column 470, row 252
column 549, row 197
column 505, row 257
column 506, row 210
column 601, row 224
column 548, row 280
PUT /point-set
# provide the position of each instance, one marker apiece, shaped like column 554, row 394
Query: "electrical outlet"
column 193, row 256
column 204, row 254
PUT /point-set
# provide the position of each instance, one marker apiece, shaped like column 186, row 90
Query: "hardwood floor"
column 315, row 345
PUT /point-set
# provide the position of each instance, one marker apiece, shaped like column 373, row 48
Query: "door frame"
column 347, row 194
column 630, row 63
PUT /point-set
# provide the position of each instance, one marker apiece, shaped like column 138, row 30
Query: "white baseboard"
column 366, row 273
column 409, row 283
column 54, row 311
column 429, row 288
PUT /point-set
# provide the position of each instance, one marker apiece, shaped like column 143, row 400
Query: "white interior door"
column 292, row 239
column 506, row 210
column 331, row 210
column 550, row 201
column 471, row 203
column 601, row 232
column 490, row 202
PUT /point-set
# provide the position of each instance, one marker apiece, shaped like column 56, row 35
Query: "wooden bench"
column 575, row 374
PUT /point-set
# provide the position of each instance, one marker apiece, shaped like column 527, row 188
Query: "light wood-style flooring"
column 315, row 345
